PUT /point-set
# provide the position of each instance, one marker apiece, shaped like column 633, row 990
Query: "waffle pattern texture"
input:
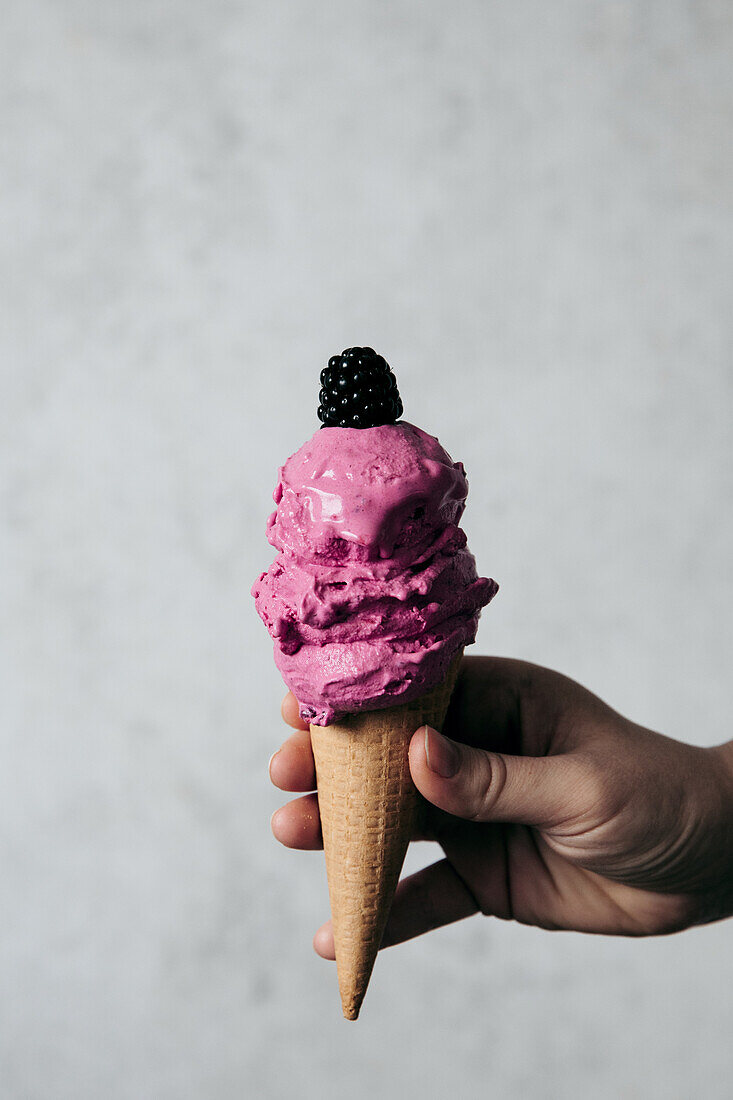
column 368, row 805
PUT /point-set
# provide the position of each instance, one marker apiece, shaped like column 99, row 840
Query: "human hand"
column 551, row 809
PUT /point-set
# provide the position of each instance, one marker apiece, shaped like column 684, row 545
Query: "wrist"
column 721, row 830
column 725, row 756
column 722, row 760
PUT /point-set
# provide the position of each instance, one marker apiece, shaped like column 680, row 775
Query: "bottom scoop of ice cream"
column 373, row 589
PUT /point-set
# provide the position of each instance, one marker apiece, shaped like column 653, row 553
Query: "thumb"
column 487, row 786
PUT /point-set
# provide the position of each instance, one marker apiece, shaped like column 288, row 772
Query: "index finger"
column 291, row 767
column 429, row 899
column 291, row 713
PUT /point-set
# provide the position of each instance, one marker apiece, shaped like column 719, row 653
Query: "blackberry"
column 358, row 390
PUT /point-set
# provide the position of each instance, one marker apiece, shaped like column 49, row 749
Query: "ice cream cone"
column 368, row 805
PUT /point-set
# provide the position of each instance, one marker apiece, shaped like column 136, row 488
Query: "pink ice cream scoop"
column 373, row 589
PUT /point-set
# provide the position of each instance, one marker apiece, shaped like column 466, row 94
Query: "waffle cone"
column 368, row 806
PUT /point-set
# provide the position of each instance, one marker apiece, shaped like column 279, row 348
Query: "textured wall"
column 527, row 208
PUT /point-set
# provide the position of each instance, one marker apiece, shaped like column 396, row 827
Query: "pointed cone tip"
column 352, row 1008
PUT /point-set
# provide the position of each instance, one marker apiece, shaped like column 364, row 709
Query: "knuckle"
column 488, row 779
column 601, row 788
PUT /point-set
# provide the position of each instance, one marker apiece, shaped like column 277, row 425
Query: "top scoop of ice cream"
column 365, row 494
column 373, row 589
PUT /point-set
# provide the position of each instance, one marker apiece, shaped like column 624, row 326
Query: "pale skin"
column 551, row 809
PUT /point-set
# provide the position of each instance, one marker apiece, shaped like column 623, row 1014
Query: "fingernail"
column 441, row 754
column 272, row 819
column 269, row 762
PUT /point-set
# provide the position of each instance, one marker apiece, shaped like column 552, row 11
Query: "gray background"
column 527, row 207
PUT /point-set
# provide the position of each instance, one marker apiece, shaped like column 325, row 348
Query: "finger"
column 292, row 767
column 478, row 854
column 429, row 899
column 516, row 707
column 297, row 824
column 484, row 706
column 486, row 786
column 291, row 713
column 323, row 942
